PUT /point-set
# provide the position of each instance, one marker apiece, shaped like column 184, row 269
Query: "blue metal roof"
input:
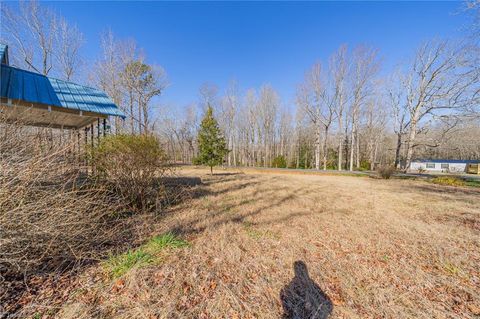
column 447, row 161
column 18, row 84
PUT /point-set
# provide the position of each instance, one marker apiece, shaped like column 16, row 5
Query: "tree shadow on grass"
column 229, row 209
column 225, row 174
column 439, row 191
column 443, row 190
column 224, row 178
column 302, row 298
column 221, row 215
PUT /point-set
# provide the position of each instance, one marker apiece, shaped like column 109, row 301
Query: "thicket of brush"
column 53, row 215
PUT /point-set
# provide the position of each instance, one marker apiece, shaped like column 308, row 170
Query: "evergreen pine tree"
column 211, row 143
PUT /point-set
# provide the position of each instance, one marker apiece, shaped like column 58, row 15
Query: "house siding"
column 452, row 167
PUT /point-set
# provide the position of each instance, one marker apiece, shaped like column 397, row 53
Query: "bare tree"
column 151, row 85
column 285, row 135
column 208, row 95
column 43, row 41
column 473, row 7
column 339, row 70
column 365, row 66
column 374, row 130
column 439, row 85
column 249, row 127
column 142, row 82
column 178, row 131
column 69, row 41
column 227, row 117
column 267, row 107
column 122, row 72
column 31, row 32
column 108, row 68
column 319, row 105
column 395, row 100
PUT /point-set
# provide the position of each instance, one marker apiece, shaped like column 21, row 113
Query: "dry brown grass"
column 362, row 248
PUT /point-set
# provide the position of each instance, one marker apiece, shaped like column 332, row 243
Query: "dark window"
column 445, row 166
column 430, row 165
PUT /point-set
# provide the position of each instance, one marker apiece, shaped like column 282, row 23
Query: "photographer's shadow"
column 302, row 298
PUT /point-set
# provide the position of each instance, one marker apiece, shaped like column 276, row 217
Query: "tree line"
column 348, row 114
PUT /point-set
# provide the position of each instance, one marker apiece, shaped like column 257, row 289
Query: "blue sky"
column 259, row 42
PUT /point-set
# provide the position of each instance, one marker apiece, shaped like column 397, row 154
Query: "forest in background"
column 347, row 115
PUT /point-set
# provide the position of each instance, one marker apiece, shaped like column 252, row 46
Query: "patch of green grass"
column 472, row 183
column 452, row 269
column 258, row 234
column 119, row 265
column 253, row 233
column 168, row 240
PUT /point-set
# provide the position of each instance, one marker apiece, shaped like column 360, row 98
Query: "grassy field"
column 249, row 245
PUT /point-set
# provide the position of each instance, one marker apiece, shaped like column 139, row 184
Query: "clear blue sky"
column 256, row 43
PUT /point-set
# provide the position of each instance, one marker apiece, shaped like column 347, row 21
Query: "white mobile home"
column 442, row 166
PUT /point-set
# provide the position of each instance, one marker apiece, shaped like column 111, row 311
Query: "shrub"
column 332, row 165
column 279, row 162
column 196, row 161
column 292, row 164
column 132, row 165
column 364, row 166
column 449, row 181
column 386, row 172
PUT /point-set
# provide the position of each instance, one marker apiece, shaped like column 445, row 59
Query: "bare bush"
column 133, row 166
column 386, row 172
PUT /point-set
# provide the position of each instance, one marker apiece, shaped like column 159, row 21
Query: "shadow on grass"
column 440, row 189
column 302, row 298
column 226, row 211
column 225, row 178
column 225, row 174
column 180, row 181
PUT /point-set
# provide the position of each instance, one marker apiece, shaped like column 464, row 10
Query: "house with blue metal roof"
column 443, row 165
column 39, row 100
